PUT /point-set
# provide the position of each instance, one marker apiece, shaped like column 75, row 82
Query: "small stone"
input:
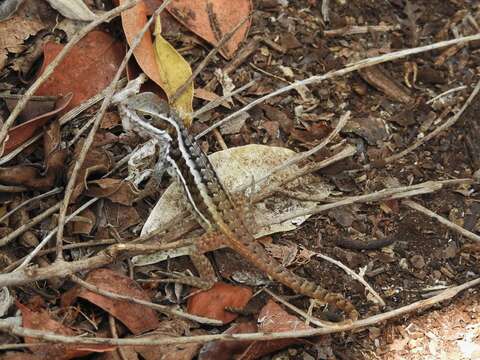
column 417, row 261
column 450, row 252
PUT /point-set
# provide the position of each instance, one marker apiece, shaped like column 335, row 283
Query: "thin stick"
column 348, row 69
column 155, row 341
column 308, row 317
column 416, row 206
column 354, row 275
column 445, row 93
column 162, row 308
column 110, row 91
column 438, row 130
column 35, row 198
column 63, row 269
column 389, row 193
column 207, row 59
column 51, row 67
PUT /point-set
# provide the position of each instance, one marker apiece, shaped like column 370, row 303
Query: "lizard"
column 211, row 201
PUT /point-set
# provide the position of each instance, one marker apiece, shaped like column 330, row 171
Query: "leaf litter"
column 278, row 44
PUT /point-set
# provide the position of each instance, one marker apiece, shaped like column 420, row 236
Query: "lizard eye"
column 147, row 117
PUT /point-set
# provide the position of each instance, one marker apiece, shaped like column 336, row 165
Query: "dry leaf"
column 42, row 321
column 28, row 20
column 211, row 303
column 97, row 160
column 174, row 71
column 86, row 70
column 137, row 318
column 116, row 190
column 212, row 19
column 23, row 132
column 236, row 168
column 225, row 350
column 133, row 21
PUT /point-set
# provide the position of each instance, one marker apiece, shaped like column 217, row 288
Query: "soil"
column 422, row 256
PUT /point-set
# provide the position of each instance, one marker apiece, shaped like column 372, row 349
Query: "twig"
column 12, row 189
column 355, row 276
column 206, row 60
column 389, row 193
column 445, row 93
column 416, row 206
column 354, row 30
column 17, row 232
column 308, row 317
column 63, row 269
column 35, row 198
column 161, row 308
column 438, row 130
column 348, row 69
column 51, row 67
column 89, row 139
column 152, row 341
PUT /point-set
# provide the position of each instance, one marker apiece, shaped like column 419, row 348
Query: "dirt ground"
column 390, row 110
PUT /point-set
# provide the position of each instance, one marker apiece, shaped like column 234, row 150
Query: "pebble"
column 417, row 261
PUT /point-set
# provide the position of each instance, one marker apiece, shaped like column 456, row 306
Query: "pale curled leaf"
column 235, row 167
column 73, row 9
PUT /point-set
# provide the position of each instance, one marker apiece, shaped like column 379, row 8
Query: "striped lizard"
column 210, row 201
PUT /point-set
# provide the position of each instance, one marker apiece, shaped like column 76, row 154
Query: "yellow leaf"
column 174, row 72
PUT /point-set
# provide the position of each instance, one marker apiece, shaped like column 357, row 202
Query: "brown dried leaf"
column 225, row 350
column 85, row 225
column 120, row 216
column 137, row 318
column 97, row 161
column 87, row 69
column 21, row 133
column 116, row 190
column 41, row 320
column 27, row 21
column 211, row 303
column 212, row 19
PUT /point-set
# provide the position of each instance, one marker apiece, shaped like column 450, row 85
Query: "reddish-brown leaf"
column 137, row 318
column 226, row 350
column 212, row 303
column 86, row 70
column 21, row 133
column 41, row 320
column 273, row 318
column 212, row 19
column 30, row 176
column 132, row 21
